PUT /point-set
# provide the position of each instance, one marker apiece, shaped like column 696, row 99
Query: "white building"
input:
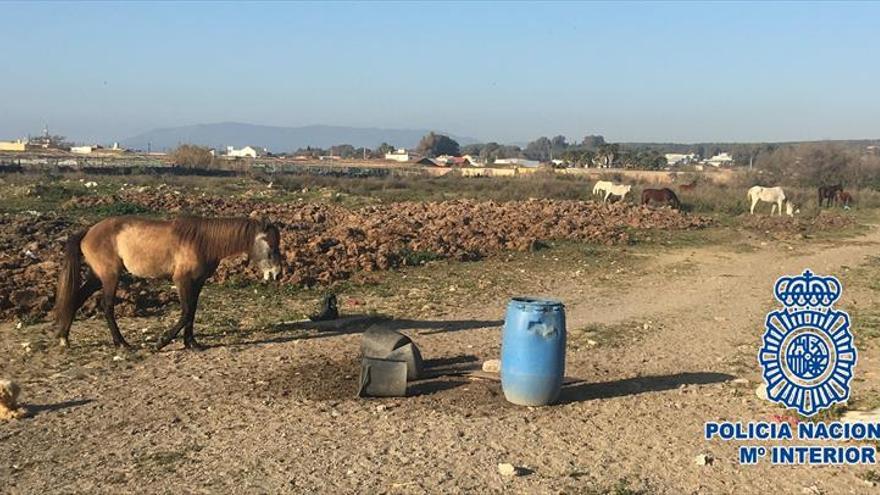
column 400, row 155
column 680, row 158
column 474, row 160
column 719, row 160
column 246, row 152
column 520, row 162
column 84, row 150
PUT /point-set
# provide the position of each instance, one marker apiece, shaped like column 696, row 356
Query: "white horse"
column 617, row 190
column 601, row 187
column 774, row 195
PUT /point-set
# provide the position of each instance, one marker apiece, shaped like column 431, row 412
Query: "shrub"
column 192, row 156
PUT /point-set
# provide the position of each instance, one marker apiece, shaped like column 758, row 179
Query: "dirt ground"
column 657, row 335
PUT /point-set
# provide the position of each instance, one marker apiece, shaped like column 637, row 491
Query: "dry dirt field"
column 660, row 324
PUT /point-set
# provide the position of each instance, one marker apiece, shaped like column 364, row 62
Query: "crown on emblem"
column 807, row 290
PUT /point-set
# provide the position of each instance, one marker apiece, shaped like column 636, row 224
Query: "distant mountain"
column 276, row 139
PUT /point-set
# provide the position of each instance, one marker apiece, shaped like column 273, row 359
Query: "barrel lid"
column 536, row 303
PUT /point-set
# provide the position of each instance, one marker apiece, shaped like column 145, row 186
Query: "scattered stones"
column 492, row 366
column 9, row 408
column 761, row 391
column 740, row 382
column 505, row 469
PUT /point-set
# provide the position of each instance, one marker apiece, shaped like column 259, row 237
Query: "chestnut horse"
column 844, row 198
column 664, row 195
column 186, row 249
column 829, row 194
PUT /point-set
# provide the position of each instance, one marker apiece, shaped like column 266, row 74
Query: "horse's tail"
column 69, row 279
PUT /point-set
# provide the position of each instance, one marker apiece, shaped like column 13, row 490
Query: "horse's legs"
column 752, row 210
column 109, row 302
column 186, row 290
column 607, row 193
column 88, row 288
column 189, row 340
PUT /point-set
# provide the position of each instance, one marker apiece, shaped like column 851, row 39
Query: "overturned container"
column 533, row 351
column 382, row 378
column 390, row 359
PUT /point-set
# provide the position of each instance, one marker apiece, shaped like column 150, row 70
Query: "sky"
column 509, row 72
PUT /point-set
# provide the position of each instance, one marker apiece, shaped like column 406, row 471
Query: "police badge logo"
column 808, row 354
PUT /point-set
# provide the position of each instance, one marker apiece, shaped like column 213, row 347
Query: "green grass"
column 416, row 258
column 622, row 487
column 617, row 335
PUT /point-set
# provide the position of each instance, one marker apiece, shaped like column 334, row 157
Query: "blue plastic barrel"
column 533, row 351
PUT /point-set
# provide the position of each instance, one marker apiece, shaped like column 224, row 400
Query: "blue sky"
column 496, row 71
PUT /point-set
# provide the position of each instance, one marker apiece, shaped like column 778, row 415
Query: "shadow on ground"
column 35, row 409
column 633, row 386
column 359, row 323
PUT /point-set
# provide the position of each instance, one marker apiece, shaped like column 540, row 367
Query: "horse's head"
column 791, row 209
column 266, row 251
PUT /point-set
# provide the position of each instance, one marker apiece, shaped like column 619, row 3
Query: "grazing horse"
column 665, row 195
column 790, row 209
column 186, row 249
column 689, row 187
column 617, row 190
column 844, row 198
column 828, row 194
column 601, row 186
column 773, row 195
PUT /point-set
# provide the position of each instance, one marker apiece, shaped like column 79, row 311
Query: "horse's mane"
column 216, row 238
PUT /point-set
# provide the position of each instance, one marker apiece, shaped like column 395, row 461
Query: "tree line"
column 855, row 163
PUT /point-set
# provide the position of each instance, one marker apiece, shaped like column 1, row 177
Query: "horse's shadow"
column 581, row 392
column 359, row 323
column 35, row 409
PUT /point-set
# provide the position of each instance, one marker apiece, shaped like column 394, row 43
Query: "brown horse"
column 828, row 194
column 689, row 187
column 664, row 195
column 187, row 250
column 844, row 198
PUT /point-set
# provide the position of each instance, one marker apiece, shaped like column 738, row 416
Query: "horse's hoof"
column 192, row 345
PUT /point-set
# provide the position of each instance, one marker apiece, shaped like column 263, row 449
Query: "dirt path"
column 279, row 415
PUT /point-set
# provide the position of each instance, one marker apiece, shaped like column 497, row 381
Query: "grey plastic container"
column 382, row 378
column 410, row 355
column 378, row 342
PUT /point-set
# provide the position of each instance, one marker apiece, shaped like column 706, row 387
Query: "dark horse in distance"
column 665, row 195
column 828, row 194
column 187, row 250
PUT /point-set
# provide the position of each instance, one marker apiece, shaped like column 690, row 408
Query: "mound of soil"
column 323, row 243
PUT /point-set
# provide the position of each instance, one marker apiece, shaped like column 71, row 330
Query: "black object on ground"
column 328, row 310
